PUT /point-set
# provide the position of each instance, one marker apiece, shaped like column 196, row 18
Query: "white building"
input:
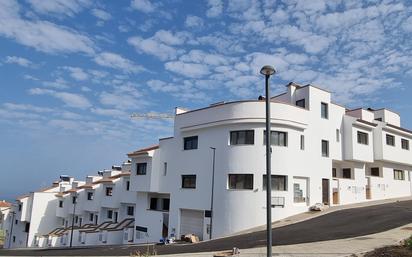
column 321, row 153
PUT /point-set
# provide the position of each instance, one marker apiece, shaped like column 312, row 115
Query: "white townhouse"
column 321, row 153
column 209, row 178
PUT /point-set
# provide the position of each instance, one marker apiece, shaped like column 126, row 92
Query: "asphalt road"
column 336, row 225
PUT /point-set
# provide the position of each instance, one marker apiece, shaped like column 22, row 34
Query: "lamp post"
column 213, row 186
column 74, row 212
column 267, row 71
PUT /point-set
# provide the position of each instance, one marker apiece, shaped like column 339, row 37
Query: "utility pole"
column 11, row 227
column 212, row 196
column 74, row 212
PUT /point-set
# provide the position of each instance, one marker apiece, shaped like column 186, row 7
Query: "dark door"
column 325, row 191
column 116, row 215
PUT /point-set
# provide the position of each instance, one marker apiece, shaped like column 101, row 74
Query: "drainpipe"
column 213, row 186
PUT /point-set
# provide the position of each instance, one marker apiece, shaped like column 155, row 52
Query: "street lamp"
column 213, row 186
column 74, row 212
column 267, row 71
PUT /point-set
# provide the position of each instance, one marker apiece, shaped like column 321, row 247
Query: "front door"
column 325, row 191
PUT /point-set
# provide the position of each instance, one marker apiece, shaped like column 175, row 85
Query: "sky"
column 72, row 71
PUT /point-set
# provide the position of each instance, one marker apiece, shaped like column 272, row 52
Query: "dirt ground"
column 390, row 251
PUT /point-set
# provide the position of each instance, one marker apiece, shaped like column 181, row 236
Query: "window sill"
column 240, row 189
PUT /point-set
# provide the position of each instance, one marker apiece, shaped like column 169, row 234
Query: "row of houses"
column 208, row 179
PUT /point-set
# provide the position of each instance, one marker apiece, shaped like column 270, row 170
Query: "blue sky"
column 72, row 71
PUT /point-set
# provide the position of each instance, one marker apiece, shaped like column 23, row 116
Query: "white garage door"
column 191, row 222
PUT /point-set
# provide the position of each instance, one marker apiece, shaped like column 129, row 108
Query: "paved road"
column 336, row 225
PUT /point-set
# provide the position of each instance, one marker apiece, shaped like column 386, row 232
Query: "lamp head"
column 267, row 70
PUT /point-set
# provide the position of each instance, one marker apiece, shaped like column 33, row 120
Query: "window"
column 390, row 140
column 398, row 175
column 20, row 206
column 242, row 137
column 346, row 173
column 153, row 203
column 378, row 119
column 190, row 143
column 337, row 135
column 302, row 142
column 109, row 191
column 16, row 222
column 130, row 210
column 74, row 199
column 278, row 182
column 301, row 103
column 166, row 204
column 188, row 181
column 363, row 138
column 240, row 181
column 60, row 204
column 334, row 173
column 14, row 239
column 90, row 196
column 405, row 144
column 278, row 138
column 109, row 214
column 141, row 168
column 127, row 185
column 298, row 194
column 91, row 215
column 375, row 172
column 76, row 219
column 164, row 168
column 325, row 148
column 324, row 110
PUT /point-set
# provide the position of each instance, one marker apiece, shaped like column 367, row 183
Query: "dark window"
column 278, row 138
column 164, row 168
column 363, row 138
column 109, row 191
column 109, row 214
column 91, row 215
column 61, row 204
column 390, row 140
column 190, row 143
column 141, row 168
column 346, row 173
column 240, row 181
column 337, row 135
column 20, row 206
column 301, row 103
column 188, row 181
column 27, row 227
column 128, row 185
column 324, row 110
column 378, row 119
column 90, row 196
column 74, row 199
column 130, row 210
column 166, row 204
column 302, row 142
column 16, row 222
column 334, row 173
column 405, row 144
column 153, row 203
column 76, row 219
column 398, row 175
column 14, row 239
column 278, row 182
column 375, row 172
column 242, row 137
column 325, row 148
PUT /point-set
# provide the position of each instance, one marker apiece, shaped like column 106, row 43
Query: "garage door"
column 191, row 222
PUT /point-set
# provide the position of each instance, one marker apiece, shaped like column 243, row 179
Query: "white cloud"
column 116, row 61
column 124, row 97
column 145, row 6
column 110, row 112
column 161, row 86
column 193, row 21
column 59, row 7
column 407, row 24
column 215, row 8
column 153, row 47
column 191, row 70
column 70, row 99
column 100, row 14
column 18, row 60
column 27, row 107
column 77, row 73
column 42, row 35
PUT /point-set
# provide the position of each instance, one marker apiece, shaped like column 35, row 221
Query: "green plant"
column 408, row 242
